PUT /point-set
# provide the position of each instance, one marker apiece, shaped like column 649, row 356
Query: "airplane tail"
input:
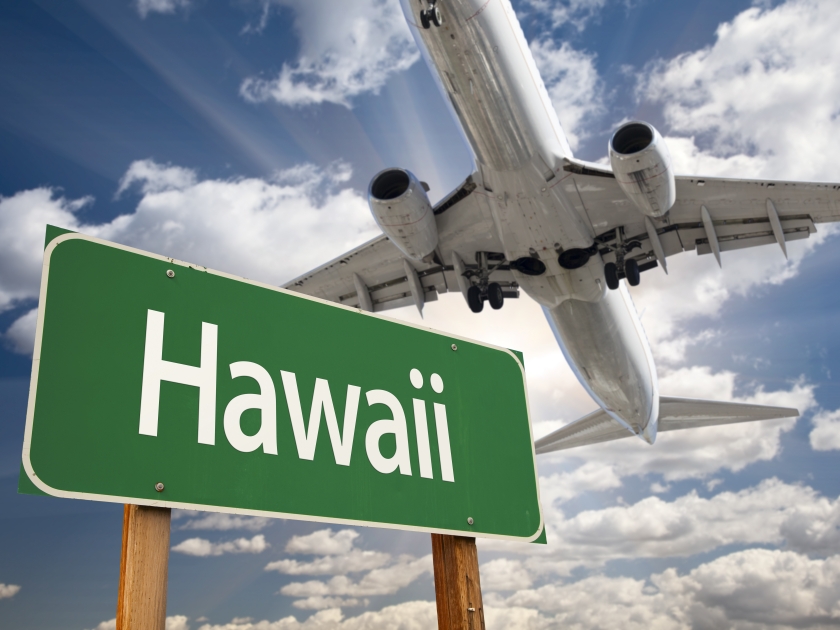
column 674, row 414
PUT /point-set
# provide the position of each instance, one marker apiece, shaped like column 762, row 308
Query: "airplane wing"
column 710, row 215
column 376, row 276
column 674, row 414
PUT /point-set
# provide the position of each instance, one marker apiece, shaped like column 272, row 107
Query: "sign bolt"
column 454, row 347
column 170, row 273
column 470, row 520
column 159, row 488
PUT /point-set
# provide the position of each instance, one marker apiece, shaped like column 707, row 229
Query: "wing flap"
column 738, row 208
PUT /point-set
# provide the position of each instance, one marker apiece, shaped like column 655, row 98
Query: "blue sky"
column 164, row 124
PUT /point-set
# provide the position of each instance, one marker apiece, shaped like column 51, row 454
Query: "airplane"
column 532, row 217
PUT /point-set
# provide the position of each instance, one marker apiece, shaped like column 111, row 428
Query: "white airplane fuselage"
column 485, row 69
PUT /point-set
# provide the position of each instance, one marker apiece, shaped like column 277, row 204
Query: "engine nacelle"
column 402, row 209
column 642, row 166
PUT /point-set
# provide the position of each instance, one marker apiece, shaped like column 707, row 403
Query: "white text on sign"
column 156, row 370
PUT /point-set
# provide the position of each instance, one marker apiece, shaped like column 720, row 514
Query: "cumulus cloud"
column 385, row 581
column 235, row 225
column 323, row 542
column 22, row 220
column 203, row 547
column 176, row 622
column 744, row 590
column 338, row 557
column 221, row 522
column 20, row 337
column 766, row 87
column 343, row 54
column 404, row 616
column 7, row 591
column 573, row 85
column 350, row 562
column 320, row 603
column 826, row 433
column 144, row 7
column 504, row 574
column 771, row 513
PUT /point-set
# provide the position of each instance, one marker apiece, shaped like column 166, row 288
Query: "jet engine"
column 402, row 209
column 641, row 163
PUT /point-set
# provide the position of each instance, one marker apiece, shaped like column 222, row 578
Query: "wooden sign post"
column 457, row 583
column 141, row 602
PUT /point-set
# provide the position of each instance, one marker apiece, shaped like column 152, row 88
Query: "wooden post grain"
column 141, row 603
column 457, row 584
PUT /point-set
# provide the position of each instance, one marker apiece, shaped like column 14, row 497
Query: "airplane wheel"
column 424, row 19
column 632, row 273
column 611, row 274
column 435, row 15
column 474, row 299
column 495, row 295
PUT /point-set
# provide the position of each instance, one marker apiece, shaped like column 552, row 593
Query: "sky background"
column 241, row 135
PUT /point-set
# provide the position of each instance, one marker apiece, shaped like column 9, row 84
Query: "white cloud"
column 320, row 603
column 22, row 220
column 156, row 178
column 573, row 85
column 826, row 433
column 343, row 53
column 240, row 226
column 350, row 562
column 751, row 589
column 176, row 622
column 7, row 591
column 323, row 542
column 224, row 522
column 697, row 288
column 144, row 7
column 404, row 616
column 384, row 581
column 766, row 88
column 771, row 513
column 591, row 476
column 504, row 574
column 203, row 547
column 20, row 337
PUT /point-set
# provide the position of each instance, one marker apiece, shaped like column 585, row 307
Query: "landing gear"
column 611, row 275
column 474, row 299
column 481, row 289
column 631, row 272
column 495, row 295
column 627, row 268
column 431, row 15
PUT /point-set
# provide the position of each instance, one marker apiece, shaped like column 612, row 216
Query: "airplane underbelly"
column 486, row 71
column 605, row 345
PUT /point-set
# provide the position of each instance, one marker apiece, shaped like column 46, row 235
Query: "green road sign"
column 241, row 397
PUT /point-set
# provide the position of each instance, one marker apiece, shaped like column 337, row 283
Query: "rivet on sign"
column 170, row 273
column 159, row 488
column 470, row 520
column 454, row 347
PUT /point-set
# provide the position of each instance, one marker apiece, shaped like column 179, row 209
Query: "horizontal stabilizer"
column 674, row 414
